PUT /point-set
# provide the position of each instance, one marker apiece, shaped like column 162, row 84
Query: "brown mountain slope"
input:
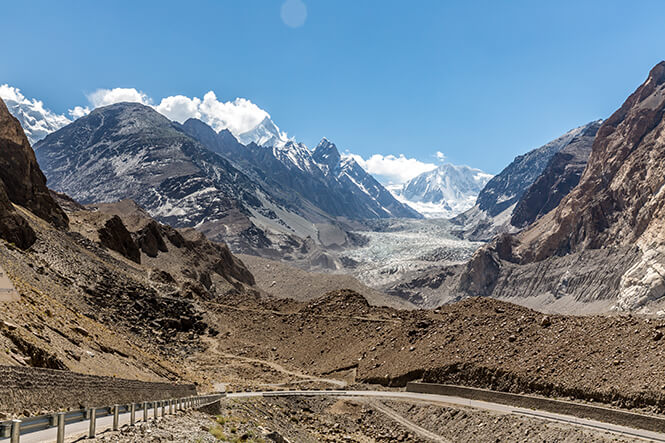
column 477, row 341
column 24, row 182
column 94, row 296
column 620, row 197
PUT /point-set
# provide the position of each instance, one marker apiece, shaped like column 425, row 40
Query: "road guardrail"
column 14, row 429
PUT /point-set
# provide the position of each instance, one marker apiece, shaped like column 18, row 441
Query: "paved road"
column 77, row 430
column 496, row 407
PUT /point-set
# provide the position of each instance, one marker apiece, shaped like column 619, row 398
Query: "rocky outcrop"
column 150, row 240
column 183, row 254
column 14, row 228
column 560, row 176
column 24, row 182
column 114, row 235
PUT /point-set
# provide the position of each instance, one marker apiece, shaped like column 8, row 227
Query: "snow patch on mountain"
column 444, row 192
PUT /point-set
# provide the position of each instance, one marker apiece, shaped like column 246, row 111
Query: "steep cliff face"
column 617, row 210
column 24, row 182
column 560, row 176
column 620, row 198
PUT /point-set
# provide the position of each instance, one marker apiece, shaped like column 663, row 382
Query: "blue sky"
column 480, row 81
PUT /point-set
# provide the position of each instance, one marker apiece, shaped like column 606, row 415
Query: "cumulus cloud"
column 391, row 169
column 179, row 108
column 105, row 97
column 79, row 111
column 238, row 116
column 440, row 156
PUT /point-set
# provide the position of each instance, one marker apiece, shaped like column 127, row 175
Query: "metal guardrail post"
column 16, row 431
column 93, row 423
column 116, row 410
column 132, row 414
column 61, row 428
column 145, row 411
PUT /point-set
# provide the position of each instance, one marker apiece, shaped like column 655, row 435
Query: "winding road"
column 79, row 430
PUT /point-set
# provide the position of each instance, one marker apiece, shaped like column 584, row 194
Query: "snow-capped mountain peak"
column 443, row 192
column 265, row 133
column 36, row 120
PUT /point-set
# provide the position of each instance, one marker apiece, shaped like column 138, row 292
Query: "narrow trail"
column 214, row 348
column 411, row 426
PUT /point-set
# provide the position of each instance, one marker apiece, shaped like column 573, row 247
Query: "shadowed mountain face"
column 560, row 176
column 319, row 178
column 619, row 199
column 24, row 182
column 496, row 209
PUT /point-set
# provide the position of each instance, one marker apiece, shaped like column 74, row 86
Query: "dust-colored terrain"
column 479, row 342
column 312, row 420
column 282, row 280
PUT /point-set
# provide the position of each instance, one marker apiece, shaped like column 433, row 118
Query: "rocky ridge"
column 318, row 178
column 493, row 212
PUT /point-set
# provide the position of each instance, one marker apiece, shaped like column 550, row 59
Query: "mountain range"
column 602, row 245
column 263, row 199
column 36, row 120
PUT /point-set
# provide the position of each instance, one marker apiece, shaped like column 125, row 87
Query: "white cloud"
column 105, row 97
column 238, row 116
column 440, row 156
column 79, row 111
column 391, row 169
column 179, row 108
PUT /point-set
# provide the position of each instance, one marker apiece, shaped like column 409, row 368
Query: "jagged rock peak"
column 326, row 153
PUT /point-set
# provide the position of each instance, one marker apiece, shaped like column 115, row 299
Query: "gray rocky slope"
column 496, row 203
column 320, row 178
column 270, row 201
